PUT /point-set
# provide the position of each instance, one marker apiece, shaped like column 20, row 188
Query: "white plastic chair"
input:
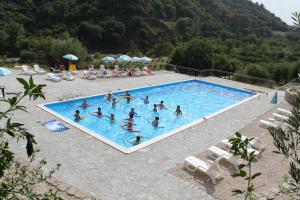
column 267, row 124
column 103, row 72
column 67, row 76
column 280, row 117
column 53, row 77
column 284, row 111
column 216, row 152
column 39, row 70
column 212, row 169
column 249, row 149
column 27, row 71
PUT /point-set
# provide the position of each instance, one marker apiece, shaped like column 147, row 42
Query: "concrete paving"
column 96, row 167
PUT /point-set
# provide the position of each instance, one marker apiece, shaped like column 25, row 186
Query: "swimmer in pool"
column 111, row 117
column 178, row 111
column 137, row 140
column 162, row 105
column 77, row 115
column 155, row 122
column 109, row 97
column 84, row 104
column 114, row 102
column 154, row 107
column 146, row 100
column 128, row 97
column 130, row 125
column 99, row 112
column 132, row 113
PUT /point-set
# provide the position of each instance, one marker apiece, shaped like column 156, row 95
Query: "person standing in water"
column 109, row 97
column 162, row 105
column 84, row 104
column 155, row 122
column 137, row 141
column 154, row 107
column 178, row 111
column 128, row 97
column 77, row 115
column 132, row 113
column 146, row 100
column 99, row 112
column 111, row 117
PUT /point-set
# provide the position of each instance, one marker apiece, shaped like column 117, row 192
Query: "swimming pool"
column 196, row 98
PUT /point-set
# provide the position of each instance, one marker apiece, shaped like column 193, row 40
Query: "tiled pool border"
column 149, row 142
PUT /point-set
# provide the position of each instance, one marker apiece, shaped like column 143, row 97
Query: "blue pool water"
column 196, row 98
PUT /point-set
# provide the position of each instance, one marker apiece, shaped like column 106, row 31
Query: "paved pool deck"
column 100, row 169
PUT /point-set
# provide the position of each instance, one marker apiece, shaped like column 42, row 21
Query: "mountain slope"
column 122, row 25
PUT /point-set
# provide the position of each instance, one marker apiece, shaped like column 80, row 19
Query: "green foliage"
column 15, row 129
column 296, row 18
column 22, row 181
column 240, row 148
column 287, row 142
column 112, row 25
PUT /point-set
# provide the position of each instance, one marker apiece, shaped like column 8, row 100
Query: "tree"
column 296, row 18
column 287, row 142
column 240, row 148
column 18, row 180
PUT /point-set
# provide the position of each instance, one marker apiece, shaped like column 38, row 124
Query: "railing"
column 222, row 74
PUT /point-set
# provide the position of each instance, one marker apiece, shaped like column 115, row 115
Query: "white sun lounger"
column 280, row 117
column 284, row 111
column 67, row 76
column 39, row 70
column 89, row 75
column 138, row 72
column 27, row 71
column 256, row 143
column 212, row 169
column 267, row 124
column 216, row 152
column 103, row 72
column 53, row 77
column 249, row 149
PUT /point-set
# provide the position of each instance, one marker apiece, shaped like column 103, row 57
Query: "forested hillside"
column 122, row 25
column 232, row 35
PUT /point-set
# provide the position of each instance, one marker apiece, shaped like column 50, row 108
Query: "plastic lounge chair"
column 216, row 152
column 267, row 124
column 53, row 77
column 284, row 111
column 67, row 76
column 250, row 149
column 256, row 143
column 212, row 169
column 138, row 72
column 27, row 71
column 89, row 75
column 39, row 70
column 280, row 117
column 103, row 72
column 147, row 71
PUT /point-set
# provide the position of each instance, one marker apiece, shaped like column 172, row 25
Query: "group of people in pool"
column 129, row 124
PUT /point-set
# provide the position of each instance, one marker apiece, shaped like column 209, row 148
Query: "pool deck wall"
column 96, row 167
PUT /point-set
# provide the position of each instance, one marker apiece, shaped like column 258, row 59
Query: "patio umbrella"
column 135, row 59
column 145, row 59
column 124, row 58
column 4, row 71
column 70, row 57
column 108, row 59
